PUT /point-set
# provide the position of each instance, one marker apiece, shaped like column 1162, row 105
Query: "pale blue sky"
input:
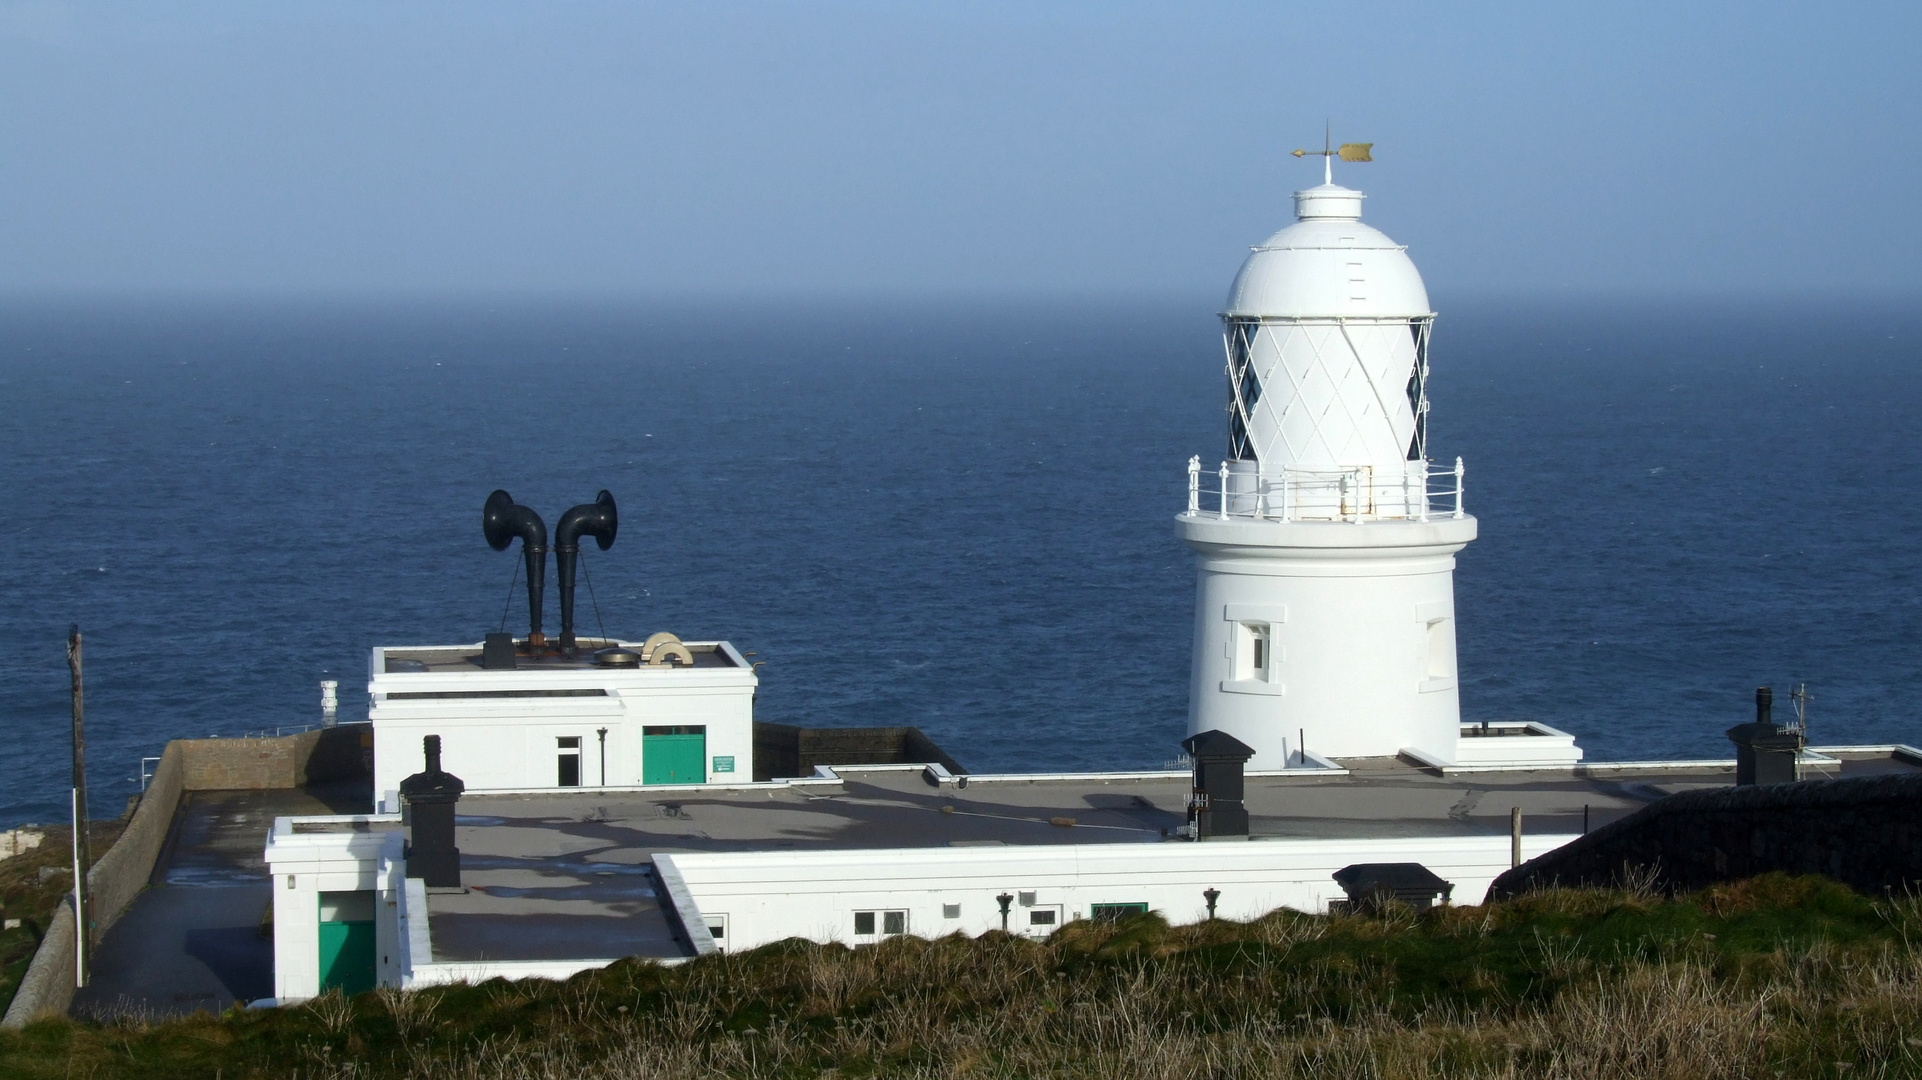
column 882, row 148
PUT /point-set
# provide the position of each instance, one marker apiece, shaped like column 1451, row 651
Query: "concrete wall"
column 118, row 876
column 1865, row 832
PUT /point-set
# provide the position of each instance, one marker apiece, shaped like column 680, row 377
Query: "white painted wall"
column 511, row 743
column 770, row 895
column 1360, row 621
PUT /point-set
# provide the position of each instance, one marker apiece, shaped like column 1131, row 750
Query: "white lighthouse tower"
column 1326, row 540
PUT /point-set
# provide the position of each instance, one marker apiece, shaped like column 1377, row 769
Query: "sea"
column 955, row 515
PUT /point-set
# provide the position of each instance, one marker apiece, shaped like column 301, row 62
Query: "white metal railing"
column 1243, row 489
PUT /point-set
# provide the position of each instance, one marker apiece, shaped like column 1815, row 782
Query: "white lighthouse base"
column 1334, row 636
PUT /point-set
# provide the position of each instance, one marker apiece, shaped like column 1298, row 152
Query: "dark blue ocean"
column 958, row 518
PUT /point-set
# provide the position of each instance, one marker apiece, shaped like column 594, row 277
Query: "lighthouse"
column 1325, row 537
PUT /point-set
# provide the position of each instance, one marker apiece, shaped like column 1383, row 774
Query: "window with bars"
column 1244, row 385
column 1418, row 391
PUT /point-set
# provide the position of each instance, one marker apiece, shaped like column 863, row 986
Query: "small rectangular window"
column 950, row 911
column 894, row 922
column 1041, row 917
column 1116, row 911
column 864, row 924
column 1254, row 651
column 570, row 742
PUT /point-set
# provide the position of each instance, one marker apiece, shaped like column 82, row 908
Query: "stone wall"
column 1865, row 832
column 47, row 987
column 288, row 761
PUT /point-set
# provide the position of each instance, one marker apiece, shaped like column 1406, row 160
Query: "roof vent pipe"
column 502, row 519
column 597, row 519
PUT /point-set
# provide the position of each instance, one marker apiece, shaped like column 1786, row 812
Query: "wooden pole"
column 82, row 850
column 1514, row 837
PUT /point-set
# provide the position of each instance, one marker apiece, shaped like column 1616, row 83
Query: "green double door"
column 347, row 945
column 674, row 754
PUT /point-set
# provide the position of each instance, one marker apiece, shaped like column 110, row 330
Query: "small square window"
column 950, row 911
column 864, row 924
column 1027, row 899
column 894, row 922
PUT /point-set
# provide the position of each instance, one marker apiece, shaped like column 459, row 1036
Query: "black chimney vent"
column 430, row 798
column 1214, row 809
column 502, row 519
column 597, row 519
column 1764, row 753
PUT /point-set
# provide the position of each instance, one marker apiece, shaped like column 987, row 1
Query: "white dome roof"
column 1328, row 264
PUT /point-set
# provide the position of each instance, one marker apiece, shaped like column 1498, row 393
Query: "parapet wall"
column 1865, row 832
column 782, row 750
column 288, row 761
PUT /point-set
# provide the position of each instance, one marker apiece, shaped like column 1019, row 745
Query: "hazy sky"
column 862, row 148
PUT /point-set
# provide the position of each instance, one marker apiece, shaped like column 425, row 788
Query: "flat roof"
column 568, row 875
column 897, row 806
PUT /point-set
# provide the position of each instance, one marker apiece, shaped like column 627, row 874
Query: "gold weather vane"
column 1351, row 151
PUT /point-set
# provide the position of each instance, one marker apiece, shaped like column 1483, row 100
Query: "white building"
column 751, row 898
column 1326, row 540
column 557, row 722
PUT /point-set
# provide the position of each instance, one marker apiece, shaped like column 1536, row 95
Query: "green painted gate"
column 674, row 755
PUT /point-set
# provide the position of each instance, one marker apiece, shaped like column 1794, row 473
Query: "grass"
column 32, row 897
column 1775, row 977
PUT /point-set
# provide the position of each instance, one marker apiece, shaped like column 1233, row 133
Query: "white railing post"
column 1287, row 497
column 1194, row 485
column 1224, row 491
column 1261, row 492
column 1422, row 494
column 1459, row 470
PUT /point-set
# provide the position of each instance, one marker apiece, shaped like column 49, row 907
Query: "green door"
column 674, row 755
column 347, row 956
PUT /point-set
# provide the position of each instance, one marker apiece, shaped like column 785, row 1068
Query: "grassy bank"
column 1774, row 977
